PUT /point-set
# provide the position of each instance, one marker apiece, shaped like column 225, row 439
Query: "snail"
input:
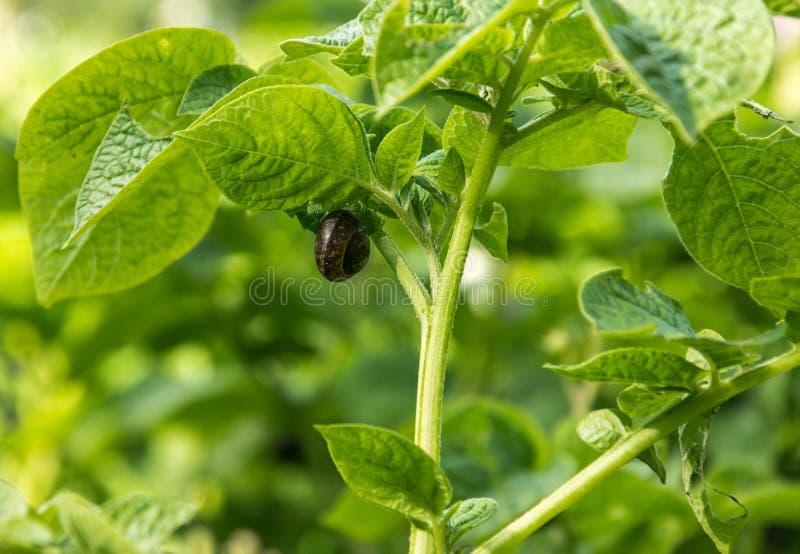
column 342, row 246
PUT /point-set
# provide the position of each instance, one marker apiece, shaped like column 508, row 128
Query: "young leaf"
column 157, row 222
column 616, row 307
column 399, row 151
column 469, row 514
column 451, row 174
column 387, row 469
column 379, row 123
column 670, row 50
column 124, row 151
column 646, row 366
column 492, row 232
column 602, row 429
column 464, row 131
column 576, row 137
column 567, row 44
column 211, row 85
column 149, row 521
column 735, row 202
column 777, row 293
column 283, row 146
column 639, row 401
column 408, row 57
column 333, row 43
column 723, row 532
column 88, row 527
column 352, row 60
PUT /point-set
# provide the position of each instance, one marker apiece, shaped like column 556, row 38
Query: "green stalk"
column 428, row 424
column 627, row 449
column 411, row 283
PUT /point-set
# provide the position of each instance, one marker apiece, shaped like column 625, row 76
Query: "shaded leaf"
column 492, row 232
column 462, row 98
column 148, row 521
column 700, row 58
column 211, row 85
column 639, row 401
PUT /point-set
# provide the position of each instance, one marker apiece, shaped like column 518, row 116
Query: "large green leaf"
column 736, row 204
column 420, row 40
column 284, row 146
column 723, row 532
column 700, row 58
column 778, row 293
column 646, row 366
column 576, row 137
column 387, row 469
column 165, row 215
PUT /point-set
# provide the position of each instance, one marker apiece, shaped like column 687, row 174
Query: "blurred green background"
column 185, row 387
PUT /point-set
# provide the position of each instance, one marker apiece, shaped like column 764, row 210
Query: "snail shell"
column 342, row 246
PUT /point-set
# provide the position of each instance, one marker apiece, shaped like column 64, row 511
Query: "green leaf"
column 462, row 98
column 304, row 70
column 492, row 232
column 379, row 123
column 88, row 527
column 149, row 521
column 577, row 137
column 361, row 520
column 151, row 224
column 468, row 515
column 567, row 44
column 464, row 130
column 399, row 152
column 646, row 366
column 717, row 351
column 700, row 58
column 250, row 85
column 387, row 469
column 451, row 174
column 408, row 57
column 124, row 151
column 283, row 146
column 605, row 87
column 24, row 535
column 352, row 60
column 638, row 401
column 12, row 503
column 723, row 532
column 602, row 429
column 778, row 293
column 735, row 202
column 211, row 85
column 615, row 307
column 784, row 7
column 333, row 43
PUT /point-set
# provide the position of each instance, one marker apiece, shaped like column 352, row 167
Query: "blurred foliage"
column 185, row 387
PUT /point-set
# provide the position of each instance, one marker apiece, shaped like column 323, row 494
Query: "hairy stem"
column 416, row 291
column 628, row 448
column 428, row 424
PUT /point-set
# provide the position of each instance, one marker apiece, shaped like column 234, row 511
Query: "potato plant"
column 123, row 160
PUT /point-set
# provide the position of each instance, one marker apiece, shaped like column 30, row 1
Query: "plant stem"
column 628, row 448
column 428, row 423
column 416, row 291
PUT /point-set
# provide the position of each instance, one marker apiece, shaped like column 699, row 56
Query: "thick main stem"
column 627, row 449
column 428, row 424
